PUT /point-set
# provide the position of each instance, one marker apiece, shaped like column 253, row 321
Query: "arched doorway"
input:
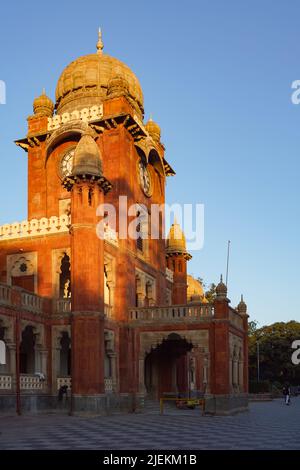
column 167, row 367
column 27, row 351
column 65, row 354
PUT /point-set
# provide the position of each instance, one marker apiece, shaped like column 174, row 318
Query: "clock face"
column 66, row 164
column 145, row 178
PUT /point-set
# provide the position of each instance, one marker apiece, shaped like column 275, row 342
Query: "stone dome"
column 87, row 158
column 242, row 307
column 43, row 105
column 221, row 289
column 175, row 242
column 85, row 81
column 195, row 291
column 153, row 129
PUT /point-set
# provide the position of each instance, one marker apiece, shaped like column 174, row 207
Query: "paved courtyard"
column 269, row 425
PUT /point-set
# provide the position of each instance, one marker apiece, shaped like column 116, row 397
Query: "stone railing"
column 86, row 115
column 62, row 306
column 31, row 302
column 169, row 275
column 235, row 319
column 108, row 384
column 35, row 227
column 5, row 294
column 30, row 382
column 175, row 313
column 44, row 226
column 64, row 381
column 5, row 382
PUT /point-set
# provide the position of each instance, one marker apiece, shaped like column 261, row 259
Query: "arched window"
column 65, row 278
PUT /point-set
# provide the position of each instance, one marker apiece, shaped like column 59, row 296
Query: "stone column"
column 241, row 374
column 140, row 299
column 235, row 373
column 113, row 359
column 142, row 375
column 44, row 358
column 12, row 363
column 230, row 373
column 55, row 368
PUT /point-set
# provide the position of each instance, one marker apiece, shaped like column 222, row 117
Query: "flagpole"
column 227, row 265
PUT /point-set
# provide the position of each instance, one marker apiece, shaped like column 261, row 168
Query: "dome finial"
column 242, row 307
column 99, row 43
column 221, row 289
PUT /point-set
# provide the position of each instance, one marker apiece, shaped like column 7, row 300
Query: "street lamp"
column 257, row 354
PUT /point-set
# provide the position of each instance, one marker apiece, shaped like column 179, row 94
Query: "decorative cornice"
column 100, row 181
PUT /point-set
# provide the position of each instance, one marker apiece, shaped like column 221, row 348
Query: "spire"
column 43, row 92
column 99, row 43
column 242, row 307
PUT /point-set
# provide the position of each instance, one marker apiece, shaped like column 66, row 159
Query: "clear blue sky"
column 217, row 77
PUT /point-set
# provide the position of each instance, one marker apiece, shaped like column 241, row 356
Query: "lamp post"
column 257, row 354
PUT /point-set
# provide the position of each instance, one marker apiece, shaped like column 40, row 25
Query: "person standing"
column 287, row 394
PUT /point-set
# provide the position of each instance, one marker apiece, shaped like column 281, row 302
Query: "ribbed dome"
column 176, row 240
column 153, row 129
column 221, row 289
column 85, row 81
column 87, row 158
column 43, row 105
column 242, row 307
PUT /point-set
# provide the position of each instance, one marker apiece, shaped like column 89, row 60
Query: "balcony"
column 5, row 382
column 63, row 306
column 5, row 294
column 30, row 382
column 31, row 302
column 177, row 313
column 61, row 381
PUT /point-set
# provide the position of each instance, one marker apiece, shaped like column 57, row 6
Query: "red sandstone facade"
column 110, row 317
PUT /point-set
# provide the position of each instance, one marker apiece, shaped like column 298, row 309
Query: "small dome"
column 153, row 129
column 242, row 307
column 87, row 158
column 117, row 86
column 85, row 81
column 221, row 289
column 194, row 289
column 43, row 105
column 176, row 240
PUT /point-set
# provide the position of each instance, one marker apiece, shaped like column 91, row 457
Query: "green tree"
column 210, row 294
column 275, row 352
column 252, row 327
